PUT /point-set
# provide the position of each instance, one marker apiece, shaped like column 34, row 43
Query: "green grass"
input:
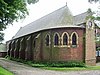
column 5, row 72
column 72, row 68
column 59, row 66
column 93, row 67
column 43, row 66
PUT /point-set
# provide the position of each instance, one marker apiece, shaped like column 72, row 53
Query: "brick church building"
column 58, row 36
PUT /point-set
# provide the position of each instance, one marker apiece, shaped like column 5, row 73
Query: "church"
column 58, row 36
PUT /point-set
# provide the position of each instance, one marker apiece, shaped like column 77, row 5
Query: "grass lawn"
column 72, row 68
column 42, row 66
column 5, row 72
column 60, row 67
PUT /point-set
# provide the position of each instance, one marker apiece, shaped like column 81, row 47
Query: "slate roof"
column 81, row 18
column 57, row 19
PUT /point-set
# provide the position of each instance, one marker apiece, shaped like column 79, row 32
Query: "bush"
column 59, row 64
column 50, row 64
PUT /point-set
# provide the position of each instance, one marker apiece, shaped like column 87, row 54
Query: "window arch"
column 56, row 39
column 47, row 40
column 65, row 38
column 74, row 38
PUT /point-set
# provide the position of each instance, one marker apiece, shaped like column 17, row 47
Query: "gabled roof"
column 81, row 18
column 57, row 19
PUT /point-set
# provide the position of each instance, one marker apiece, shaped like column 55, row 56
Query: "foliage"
column 31, row 1
column 58, row 66
column 97, row 17
column 98, row 42
column 73, row 68
column 1, row 36
column 90, row 14
column 5, row 72
column 93, row 1
column 98, row 48
column 12, row 10
column 50, row 64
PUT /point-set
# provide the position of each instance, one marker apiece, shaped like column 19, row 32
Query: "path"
column 21, row 69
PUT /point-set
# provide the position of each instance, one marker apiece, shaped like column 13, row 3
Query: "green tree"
column 12, row 10
column 97, row 16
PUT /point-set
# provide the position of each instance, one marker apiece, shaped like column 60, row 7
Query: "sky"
column 44, row 7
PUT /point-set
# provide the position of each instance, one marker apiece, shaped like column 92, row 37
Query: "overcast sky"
column 44, row 7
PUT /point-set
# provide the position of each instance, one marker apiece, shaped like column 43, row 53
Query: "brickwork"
column 40, row 52
column 22, row 49
column 61, row 53
column 16, row 51
column 28, row 50
column 90, row 51
column 37, row 49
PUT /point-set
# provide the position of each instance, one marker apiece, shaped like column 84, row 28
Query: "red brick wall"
column 60, row 53
column 90, row 47
column 65, row 53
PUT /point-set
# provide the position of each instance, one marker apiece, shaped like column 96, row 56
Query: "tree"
column 1, row 37
column 93, row 1
column 97, row 13
column 12, row 10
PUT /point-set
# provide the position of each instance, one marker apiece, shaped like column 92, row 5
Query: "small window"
column 74, row 39
column 65, row 39
column 56, row 39
column 47, row 40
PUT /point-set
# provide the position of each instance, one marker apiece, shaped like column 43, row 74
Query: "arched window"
column 74, row 38
column 65, row 38
column 47, row 40
column 56, row 39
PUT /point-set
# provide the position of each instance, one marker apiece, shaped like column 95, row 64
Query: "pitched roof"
column 57, row 19
column 81, row 18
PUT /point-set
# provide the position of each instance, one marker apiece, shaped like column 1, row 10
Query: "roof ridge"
column 80, row 14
